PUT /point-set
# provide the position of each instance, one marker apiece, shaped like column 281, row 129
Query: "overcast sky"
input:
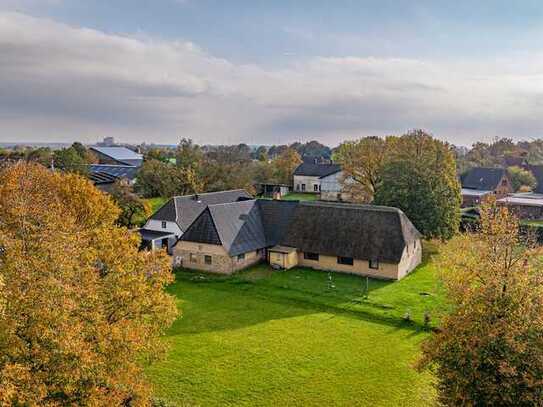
column 269, row 72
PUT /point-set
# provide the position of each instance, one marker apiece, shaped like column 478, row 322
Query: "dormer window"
column 163, row 225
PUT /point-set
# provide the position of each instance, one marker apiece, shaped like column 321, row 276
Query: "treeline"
column 73, row 159
column 192, row 168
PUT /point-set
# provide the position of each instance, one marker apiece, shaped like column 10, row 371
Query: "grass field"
column 155, row 203
column 300, row 197
column 266, row 338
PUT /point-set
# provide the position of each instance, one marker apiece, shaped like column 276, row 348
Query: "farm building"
column 359, row 239
column 171, row 220
column 479, row 182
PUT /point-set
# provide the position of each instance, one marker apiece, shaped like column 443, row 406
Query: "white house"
column 308, row 176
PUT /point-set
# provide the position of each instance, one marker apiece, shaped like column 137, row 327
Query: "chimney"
column 196, row 197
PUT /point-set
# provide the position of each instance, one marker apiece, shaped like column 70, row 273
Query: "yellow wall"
column 221, row 262
column 410, row 259
column 284, row 260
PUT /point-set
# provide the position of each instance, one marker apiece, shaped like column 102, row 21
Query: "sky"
column 269, row 72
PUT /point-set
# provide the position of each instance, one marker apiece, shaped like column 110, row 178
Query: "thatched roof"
column 364, row 232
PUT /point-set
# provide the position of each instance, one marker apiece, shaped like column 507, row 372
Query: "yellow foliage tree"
column 84, row 308
column 285, row 165
column 489, row 350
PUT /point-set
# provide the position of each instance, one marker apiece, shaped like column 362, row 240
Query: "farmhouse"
column 309, row 176
column 173, row 218
column 479, row 182
column 366, row 240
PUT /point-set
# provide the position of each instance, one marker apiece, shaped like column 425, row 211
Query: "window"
column 345, row 260
column 311, row 256
column 207, row 260
column 193, row 258
column 297, row 187
column 163, row 225
column 315, row 188
column 241, row 256
column 303, row 187
column 374, row 264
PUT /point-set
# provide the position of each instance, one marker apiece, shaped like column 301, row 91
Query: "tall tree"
column 156, row 178
column 489, row 350
column 133, row 208
column 361, row 162
column 285, row 164
column 521, row 179
column 85, row 309
column 419, row 177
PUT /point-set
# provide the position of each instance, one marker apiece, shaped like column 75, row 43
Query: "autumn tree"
column 361, row 161
column 133, row 208
column 521, row 179
column 83, row 308
column 489, row 349
column 156, row 178
column 285, row 164
column 419, row 177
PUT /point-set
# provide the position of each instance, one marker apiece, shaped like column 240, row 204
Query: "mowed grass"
column 156, row 203
column 296, row 196
column 295, row 337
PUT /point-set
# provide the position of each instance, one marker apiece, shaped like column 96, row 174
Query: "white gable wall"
column 171, row 227
column 309, row 182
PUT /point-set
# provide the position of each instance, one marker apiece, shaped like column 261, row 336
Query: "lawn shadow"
column 259, row 295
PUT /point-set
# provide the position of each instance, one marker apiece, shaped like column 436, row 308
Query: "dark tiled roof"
column 363, row 232
column 317, row 170
column 486, row 179
column 185, row 209
column 203, row 230
column 537, row 170
column 99, row 178
column 112, row 172
column 239, row 225
column 236, row 225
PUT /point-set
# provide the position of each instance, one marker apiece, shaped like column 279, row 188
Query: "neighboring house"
column 173, row 218
column 526, row 205
column 309, row 176
column 366, row 240
column 480, row 182
column 117, row 156
column 275, row 191
column 105, row 175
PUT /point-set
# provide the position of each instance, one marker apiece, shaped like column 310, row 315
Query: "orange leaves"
column 83, row 307
column 490, row 348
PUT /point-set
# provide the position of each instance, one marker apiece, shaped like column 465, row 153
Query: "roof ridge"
column 230, row 203
column 209, row 193
column 346, row 205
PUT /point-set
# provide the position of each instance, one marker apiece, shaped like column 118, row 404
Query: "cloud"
column 59, row 82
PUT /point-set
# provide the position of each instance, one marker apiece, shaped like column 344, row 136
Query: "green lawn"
column 268, row 338
column 156, row 203
column 294, row 196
